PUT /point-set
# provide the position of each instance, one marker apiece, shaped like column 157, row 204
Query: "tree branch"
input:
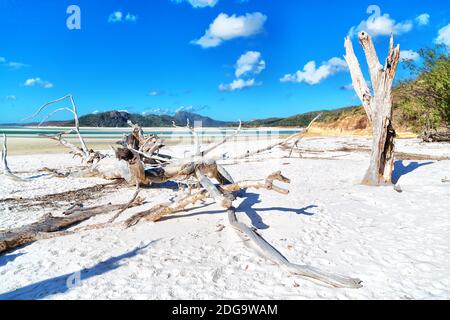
column 6, row 170
column 375, row 68
column 358, row 81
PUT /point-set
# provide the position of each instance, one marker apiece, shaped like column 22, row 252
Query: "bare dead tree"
column 378, row 105
column 139, row 161
column 87, row 156
column 282, row 143
column 296, row 142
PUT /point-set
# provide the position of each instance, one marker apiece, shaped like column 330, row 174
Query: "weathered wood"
column 59, row 138
column 195, row 135
column 139, row 162
column 224, row 140
column 296, row 136
column 159, row 211
column 436, row 136
column 5, row 168
column 378, row 106
column 295, row 144
column 133, row 198
column 85, row 152
column 335, row 280
column 359, row 83
column 49, row 224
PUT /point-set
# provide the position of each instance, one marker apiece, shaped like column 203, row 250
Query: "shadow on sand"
column 8, row 258
column 250, row 199
column 64, row 283
column 400, row 169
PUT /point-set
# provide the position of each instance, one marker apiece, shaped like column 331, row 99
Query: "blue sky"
column 228, row 59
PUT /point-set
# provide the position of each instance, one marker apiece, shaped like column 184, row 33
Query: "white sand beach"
column 397, row 243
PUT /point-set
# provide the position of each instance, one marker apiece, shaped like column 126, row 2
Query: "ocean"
column 11, row 131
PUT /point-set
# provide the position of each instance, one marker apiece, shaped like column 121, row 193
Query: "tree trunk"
column 382, row 155
column 378, row 106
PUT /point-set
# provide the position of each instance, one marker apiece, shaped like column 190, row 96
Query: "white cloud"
column 199, row 3
column 38, row 82
column 155, row 93
column 313, row 75
column 172, row 111
column 184, row 108
column 238, row 84
column 12, row 64
column 226, row 27
column 190, row 108
column 423, row 19
column 131, row 17
column 9, row 98
column 347, row 87
column 409, row 55
column 382, row 25
column 96, row 111
column 115, row 17
column 250, row 62
column 444, row 36
column 16, row 65
column 118, row 16
column 157, row 111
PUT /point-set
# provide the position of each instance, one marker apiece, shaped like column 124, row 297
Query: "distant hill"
column 121, row 118
column 182, row 116
column 302, row 120
column 347, row 119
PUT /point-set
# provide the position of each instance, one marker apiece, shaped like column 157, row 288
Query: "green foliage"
column 302, row 120
column 425, row 101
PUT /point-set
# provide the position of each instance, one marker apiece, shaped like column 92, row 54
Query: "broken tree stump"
column 378, row 106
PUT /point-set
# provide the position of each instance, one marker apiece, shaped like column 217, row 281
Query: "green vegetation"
column 302, row 120
column 424, row 102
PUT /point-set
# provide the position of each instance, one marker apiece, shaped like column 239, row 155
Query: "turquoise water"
column 34, row 131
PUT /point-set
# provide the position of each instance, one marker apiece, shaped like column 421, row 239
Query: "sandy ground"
column 396, row 243
column 32, row 145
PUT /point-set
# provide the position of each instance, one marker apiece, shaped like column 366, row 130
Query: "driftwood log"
column 51, row 226
column 378, row 106
column 138, row 160
column 436, row 136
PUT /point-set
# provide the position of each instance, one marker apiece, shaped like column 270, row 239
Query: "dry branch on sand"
column 50, row 226
column 5, row 168
column 138, row 160
column 436, row 136
column 378, row 106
